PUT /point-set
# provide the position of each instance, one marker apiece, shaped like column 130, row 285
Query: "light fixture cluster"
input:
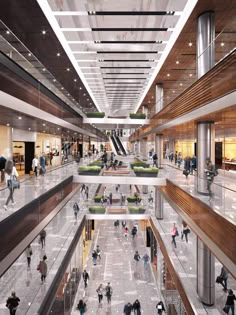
column 91, row 12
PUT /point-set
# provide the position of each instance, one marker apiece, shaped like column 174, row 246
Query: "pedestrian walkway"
column 118, row 267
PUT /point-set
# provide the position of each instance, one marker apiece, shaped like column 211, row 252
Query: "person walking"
column 10, row 174
column 12, row 303
column 146, row 259
column 185, row 231
column 81, row 306
column 123, row 223
column 42, row 237
column 28, row 253
column 43, row 269
column 128, row 308
column 210, row 173
column 154, row 158
column 110, row 197
column 134, row 231
column 224, row 278
column 35, row 164
column 86, row 192
column 137, row 307
column 187, row 166
column 160, row 308
column 100, row 293
column 76, row 210
column 229, row 305
column 86, row 278
column 98, row 252
column 179, row 160
column 109, row 292
column 82, row 188
column 126, row 232
column 137, row 258
column 174, row 232
column 42, row 162
column 94, row 257
column 2, row 167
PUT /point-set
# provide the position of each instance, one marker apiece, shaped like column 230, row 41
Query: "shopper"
column 126, row 232
column 81, row 306
column 82, row 188
column 109, row 292
column 123, row 223
column 185, row 231
column 137, row 257
column 42, row 162
column 10, row 176
column 128, row 308
column 110, row 197
column 86, row 278
column 76, row 210
column 100, row 293
column 28, row 253
column 98, row 252
column 12, row 303
column 174, row 232
column 2, row 166
column 145, row 259
column 42, row 238
column 224, row 277
column 137, row 307
column 86, row 192
column 210, row 173
column 43, row 269
column 187, row 166
column 229, row 305
column 94, row 257
column 134, row 231
column 160, row 308
column 154, row 158
column 35, row 164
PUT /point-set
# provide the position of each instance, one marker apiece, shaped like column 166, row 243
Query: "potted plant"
column 146, row 172
column 95, row 114
column 132, row 199
column 96, row 163
column 136, row 210
column 97, row 210
column 89, row 170
column 97, row 198
column 137, row 116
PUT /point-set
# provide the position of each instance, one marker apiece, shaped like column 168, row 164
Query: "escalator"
column 114, row 145
column 120, row 144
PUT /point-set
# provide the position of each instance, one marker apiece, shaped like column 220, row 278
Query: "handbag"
column 226, row 309
column 13, row 183
column 219, row 279
column 185, row 172
column 187, row 230
column 176, row 233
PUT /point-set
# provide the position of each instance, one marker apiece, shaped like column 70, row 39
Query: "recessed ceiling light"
column 67, row 69
column 84, row 94
column 80, row 88
column 8, row 125
column 68, row 94
column 19, row 117
column 44, row 124
column 7, row 32
column 29, row 54
column 44, row 69
column 181, row 84
column 58, row 54
column 168, row 74
column 58, row 128
column 177, row 62
column 75, row 80
column 190, row 44
column 44, row 32
column 222, row 44
column 68, row 131
column 54, row 80
column 173, row 91
column 29, row 128
column 62, row 88
column 190, row 74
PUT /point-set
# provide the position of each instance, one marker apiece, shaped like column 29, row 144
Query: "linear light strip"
column 56, row 28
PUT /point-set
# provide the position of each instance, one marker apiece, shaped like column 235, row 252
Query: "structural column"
column 205, row 149
column 159, row 98
column 158, row 204
column 159, row 149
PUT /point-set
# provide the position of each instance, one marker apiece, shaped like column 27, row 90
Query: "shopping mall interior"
column 117, row 157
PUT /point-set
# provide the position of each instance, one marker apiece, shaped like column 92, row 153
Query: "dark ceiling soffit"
column 131, row 12
column 18, row 70
column 129, row 29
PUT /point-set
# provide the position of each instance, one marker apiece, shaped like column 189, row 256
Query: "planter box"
column 141, row 164
column 91, row 173
column 146, row 174
column 97, row 211
column 139, row 211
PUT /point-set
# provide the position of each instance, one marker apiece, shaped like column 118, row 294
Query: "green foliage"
column 133, row 209
column 95, row 163
column 89, row 168
column 132, row 198
column 97, row 209
column 98, row 198
column 95, row 115
column 154, row 170
column 139, row 164
column 137, row 116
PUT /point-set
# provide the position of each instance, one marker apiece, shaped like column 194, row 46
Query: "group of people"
column 39, row 165
column 175, row 233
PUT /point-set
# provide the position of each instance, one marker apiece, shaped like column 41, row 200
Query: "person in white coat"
column 35, row 165
column 10, row 172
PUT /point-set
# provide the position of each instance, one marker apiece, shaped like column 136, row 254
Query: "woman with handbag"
column 174, row 232
column 10, row 177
